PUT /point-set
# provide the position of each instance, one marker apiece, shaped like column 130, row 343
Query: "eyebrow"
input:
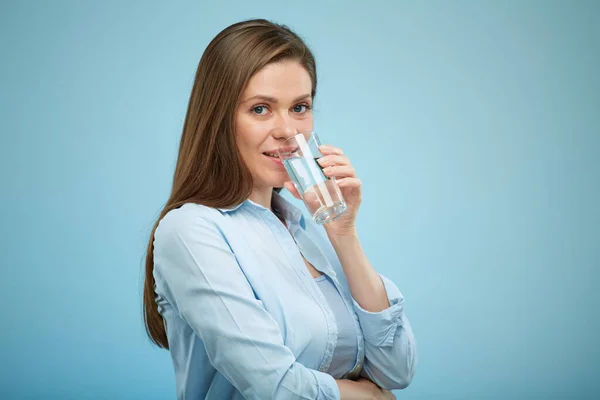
column 273, row 99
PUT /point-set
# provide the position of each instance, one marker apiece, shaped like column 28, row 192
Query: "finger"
column 333, row 159
column 340, row 171
column 348, row 183
column 327, row 149
column 292, row 189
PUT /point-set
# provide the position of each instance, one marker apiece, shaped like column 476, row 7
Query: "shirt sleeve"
column 390, row 348
column 200, row 276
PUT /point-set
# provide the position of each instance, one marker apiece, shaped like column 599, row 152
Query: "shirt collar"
column 232, row 208
column 280, row 206
column 287, row 210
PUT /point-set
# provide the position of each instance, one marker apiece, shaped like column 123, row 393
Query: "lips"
column 284, row 151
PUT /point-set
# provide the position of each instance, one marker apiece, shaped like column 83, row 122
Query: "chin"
column 274, row 181
column 278, row 184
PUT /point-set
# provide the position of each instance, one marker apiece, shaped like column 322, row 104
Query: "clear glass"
column 320, row 194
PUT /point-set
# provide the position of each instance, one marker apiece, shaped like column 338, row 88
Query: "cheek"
column 246, row 135
column 252, row 142
column 306, row 124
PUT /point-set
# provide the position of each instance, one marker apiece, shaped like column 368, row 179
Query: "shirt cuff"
column 379, row 328
column 328, row 388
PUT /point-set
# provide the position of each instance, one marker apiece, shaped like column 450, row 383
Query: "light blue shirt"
column 245, row 318
column 346, row 348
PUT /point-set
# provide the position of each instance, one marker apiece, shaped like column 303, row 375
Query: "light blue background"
column 474, row 126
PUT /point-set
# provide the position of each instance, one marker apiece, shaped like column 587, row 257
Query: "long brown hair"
column 209, row 169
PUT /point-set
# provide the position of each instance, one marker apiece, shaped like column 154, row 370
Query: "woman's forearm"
column 350, row 390
column 362, row 389
column 364, row 282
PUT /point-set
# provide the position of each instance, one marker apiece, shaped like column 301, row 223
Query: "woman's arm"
column 362, row 389
column 364, row 282
column 196, row 271
column 390, row 347
column 389, row 342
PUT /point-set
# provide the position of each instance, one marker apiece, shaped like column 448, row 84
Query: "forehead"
column 282, row 79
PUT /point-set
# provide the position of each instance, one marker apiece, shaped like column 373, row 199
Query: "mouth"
column 274, row 158
column 284, row 152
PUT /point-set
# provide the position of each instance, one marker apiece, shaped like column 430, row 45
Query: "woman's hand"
column 362, row 389
column 379, row 394
column 336, row 164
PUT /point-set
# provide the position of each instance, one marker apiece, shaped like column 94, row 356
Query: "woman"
column 251, row 299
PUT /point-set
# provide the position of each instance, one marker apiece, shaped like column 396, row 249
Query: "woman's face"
column 275, row 105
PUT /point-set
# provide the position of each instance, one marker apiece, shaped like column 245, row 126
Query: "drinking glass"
column 320, row 194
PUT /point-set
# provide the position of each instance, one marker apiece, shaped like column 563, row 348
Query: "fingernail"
column 321, row 161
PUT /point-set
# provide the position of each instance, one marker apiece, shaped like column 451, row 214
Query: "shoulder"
column 186, row 237
column 189, row 219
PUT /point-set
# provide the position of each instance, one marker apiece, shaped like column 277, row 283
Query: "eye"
column 301, row 108
column 260, row 110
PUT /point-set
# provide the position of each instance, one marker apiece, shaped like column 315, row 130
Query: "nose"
column 284, row 128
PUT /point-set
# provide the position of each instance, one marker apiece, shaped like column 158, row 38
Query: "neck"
column 262, row 196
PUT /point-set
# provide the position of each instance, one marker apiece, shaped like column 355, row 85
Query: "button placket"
column 359, row 335
column 291, row 247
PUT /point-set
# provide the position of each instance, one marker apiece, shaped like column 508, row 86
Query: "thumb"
column 289, row 185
